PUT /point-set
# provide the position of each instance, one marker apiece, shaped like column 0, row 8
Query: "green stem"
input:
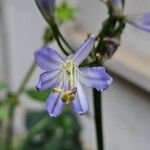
column 9, row 129
column 65, row 41
column 98, row 119
column 60, row 45
column 56, row 36
column 26, row 79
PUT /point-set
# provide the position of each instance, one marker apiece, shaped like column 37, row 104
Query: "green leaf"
column 39, row 96
column 64, row 12
column 48, row 36
column 4, row 112
column 2, row 85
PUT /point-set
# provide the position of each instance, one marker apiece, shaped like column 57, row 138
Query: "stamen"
column 57, row 90
column 69, row 96
column 70, row 68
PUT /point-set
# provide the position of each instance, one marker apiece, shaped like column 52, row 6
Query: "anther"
column 68, row 96
column 57, row 90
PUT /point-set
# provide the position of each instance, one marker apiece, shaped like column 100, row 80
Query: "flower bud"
column 117, row 6
column 46, row 8
column 112, row 45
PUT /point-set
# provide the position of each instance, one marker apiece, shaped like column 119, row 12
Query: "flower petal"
column 46, row 8
column 83, row 51
column 48, row 59
column 141, row 21
column 95, row 77
column 80, row 104
column 49, row 79
column 54, row 105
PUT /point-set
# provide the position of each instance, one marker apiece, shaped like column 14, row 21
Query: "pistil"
column 70, row 68
column 69, row 95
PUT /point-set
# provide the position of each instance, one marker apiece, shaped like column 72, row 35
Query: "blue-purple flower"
column 46, row 8
column 65, row 78
column 141, row 21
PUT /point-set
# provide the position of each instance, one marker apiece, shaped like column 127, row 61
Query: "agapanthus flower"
column 65, row 78
column 141, row 21
column 46, row 8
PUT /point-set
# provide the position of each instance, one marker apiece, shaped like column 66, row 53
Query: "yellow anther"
column 57, row 90
column 67, row 97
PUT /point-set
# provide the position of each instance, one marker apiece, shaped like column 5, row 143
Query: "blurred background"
column 126, row 104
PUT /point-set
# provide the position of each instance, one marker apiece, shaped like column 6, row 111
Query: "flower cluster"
column 141, row 21
column 63, row 75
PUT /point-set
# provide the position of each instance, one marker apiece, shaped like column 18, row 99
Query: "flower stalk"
column 56, row 34
column 112, row 29
column 98, row 119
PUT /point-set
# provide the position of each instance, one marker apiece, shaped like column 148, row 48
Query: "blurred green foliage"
column 2, row 85
column 64, row 12
column 3, row 112
column 47, row 133
column 39, row 96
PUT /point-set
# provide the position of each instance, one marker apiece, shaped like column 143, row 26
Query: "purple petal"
column 54, row 105
column 48, row 59
column 141, row 21
column 49, row 79
column 95, row 77
column 46, row 8
column 83, row 51
column 80, row 105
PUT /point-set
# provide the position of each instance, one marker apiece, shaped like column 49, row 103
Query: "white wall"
column 126, row 109
column 1, row 49
column 24, row 26
column 126, row 114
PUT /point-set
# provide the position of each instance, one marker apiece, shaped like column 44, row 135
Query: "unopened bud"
column 118, row 6
column 46, row 8
column 112, row 45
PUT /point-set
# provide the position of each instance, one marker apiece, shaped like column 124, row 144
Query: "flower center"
column 69, row 95
column 70, row 71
